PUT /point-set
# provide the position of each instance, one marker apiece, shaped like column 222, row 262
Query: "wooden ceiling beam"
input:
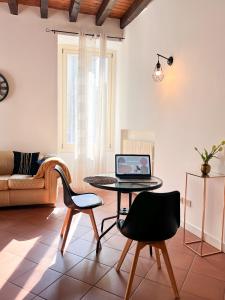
column 135, row 9
column 104, row 11
column 44, row 9
column 74, row 10
column 13, row 7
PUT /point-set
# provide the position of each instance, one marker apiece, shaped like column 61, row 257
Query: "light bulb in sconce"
column 158, row 73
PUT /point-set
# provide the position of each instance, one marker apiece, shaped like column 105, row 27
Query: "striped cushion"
column 25, row 163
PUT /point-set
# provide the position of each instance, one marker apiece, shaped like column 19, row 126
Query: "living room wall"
column 28, row 59
column 187, row 108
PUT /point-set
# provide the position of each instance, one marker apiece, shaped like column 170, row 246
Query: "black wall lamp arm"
column 169, row 59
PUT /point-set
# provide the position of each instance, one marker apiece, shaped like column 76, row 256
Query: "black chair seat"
column 87, row 201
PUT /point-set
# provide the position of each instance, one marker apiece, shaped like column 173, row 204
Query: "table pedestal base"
column 101, row 236
column 120, row 211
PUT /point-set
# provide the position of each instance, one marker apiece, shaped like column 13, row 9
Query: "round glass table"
column 123, row 187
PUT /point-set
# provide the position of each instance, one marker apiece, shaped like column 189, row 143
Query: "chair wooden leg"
column 139, row 246
column 124, row 253
column 157, row 258
column 65, row 222
column 91, row 215
column 67, row 227
column 169, row 268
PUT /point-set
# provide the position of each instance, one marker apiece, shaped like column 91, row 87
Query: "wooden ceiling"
column 125, row 10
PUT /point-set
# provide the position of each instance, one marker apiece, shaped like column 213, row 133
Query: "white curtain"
column 90, row 109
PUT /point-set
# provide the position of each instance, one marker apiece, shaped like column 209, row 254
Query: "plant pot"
column 205, row 169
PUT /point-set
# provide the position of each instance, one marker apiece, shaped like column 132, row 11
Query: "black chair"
column 76, row 203
column 152, row 219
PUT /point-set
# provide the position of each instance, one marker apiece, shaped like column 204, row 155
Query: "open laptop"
column 133, row 167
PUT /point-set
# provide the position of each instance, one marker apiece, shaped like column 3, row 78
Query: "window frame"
column 63, row 51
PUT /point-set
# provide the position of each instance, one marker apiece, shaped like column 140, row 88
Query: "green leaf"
column 206, row 152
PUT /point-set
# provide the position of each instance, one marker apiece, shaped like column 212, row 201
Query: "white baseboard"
column 208, row 237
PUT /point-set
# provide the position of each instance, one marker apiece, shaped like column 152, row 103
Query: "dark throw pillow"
column 25, row 163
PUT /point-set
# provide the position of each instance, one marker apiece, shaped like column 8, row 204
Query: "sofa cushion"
column 6, row 162
column 25, row 163
column 23, row 182
column 4, row 182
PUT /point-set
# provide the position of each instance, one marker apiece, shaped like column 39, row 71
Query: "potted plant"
column 206, row 156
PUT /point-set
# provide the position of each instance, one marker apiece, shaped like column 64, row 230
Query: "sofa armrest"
column 46, row 170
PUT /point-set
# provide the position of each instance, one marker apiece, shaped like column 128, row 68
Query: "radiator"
column 138, row 147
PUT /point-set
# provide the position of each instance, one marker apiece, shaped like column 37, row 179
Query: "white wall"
column 28, row 59
column 184, row 110
column 187, row 108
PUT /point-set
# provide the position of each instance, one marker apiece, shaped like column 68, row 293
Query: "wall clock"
column 4, row 87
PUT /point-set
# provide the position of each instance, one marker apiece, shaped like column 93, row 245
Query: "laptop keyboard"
column 136, row 180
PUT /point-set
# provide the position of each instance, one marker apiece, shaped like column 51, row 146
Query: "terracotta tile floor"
column 32, row 267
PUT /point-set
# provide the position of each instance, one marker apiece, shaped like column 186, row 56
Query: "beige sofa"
column 16, row 189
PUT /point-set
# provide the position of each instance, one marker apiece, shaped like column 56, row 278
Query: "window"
column 68, row 72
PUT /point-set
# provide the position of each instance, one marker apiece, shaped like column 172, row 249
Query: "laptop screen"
column 132, row 164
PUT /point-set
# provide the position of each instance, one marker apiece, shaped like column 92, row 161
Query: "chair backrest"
column 153, row 217
column 67, row 191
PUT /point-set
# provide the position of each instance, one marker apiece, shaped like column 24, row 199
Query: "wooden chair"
column 76, row 203
column 152, row 219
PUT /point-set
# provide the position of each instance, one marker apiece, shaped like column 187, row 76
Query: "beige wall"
column 187, row 109
column 28, row 59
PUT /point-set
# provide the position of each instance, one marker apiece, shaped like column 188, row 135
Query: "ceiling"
column 124, row 10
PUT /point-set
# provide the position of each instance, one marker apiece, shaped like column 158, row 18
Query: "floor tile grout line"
column 118, row 272
column 134, row 290
column 86, row 257
column 161, row 283
column 38, row 281
column 22, row 288
column 156, row 283
column 91, row 287
column 70, row 267
column 66, row 275
column 101, row 290
column 143, row 278
column 108, row 291
column 39, row 263
column 22, row 274
column 48, row 268
column 195, row 272
column 91, row 284
column 208, row 276
column 189, row 270
column 98, row 281
column 101, row 263
column 103, row 276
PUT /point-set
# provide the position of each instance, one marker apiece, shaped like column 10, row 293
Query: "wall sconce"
column 158, row 73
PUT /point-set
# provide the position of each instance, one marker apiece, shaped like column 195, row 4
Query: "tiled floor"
column 31, row 266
